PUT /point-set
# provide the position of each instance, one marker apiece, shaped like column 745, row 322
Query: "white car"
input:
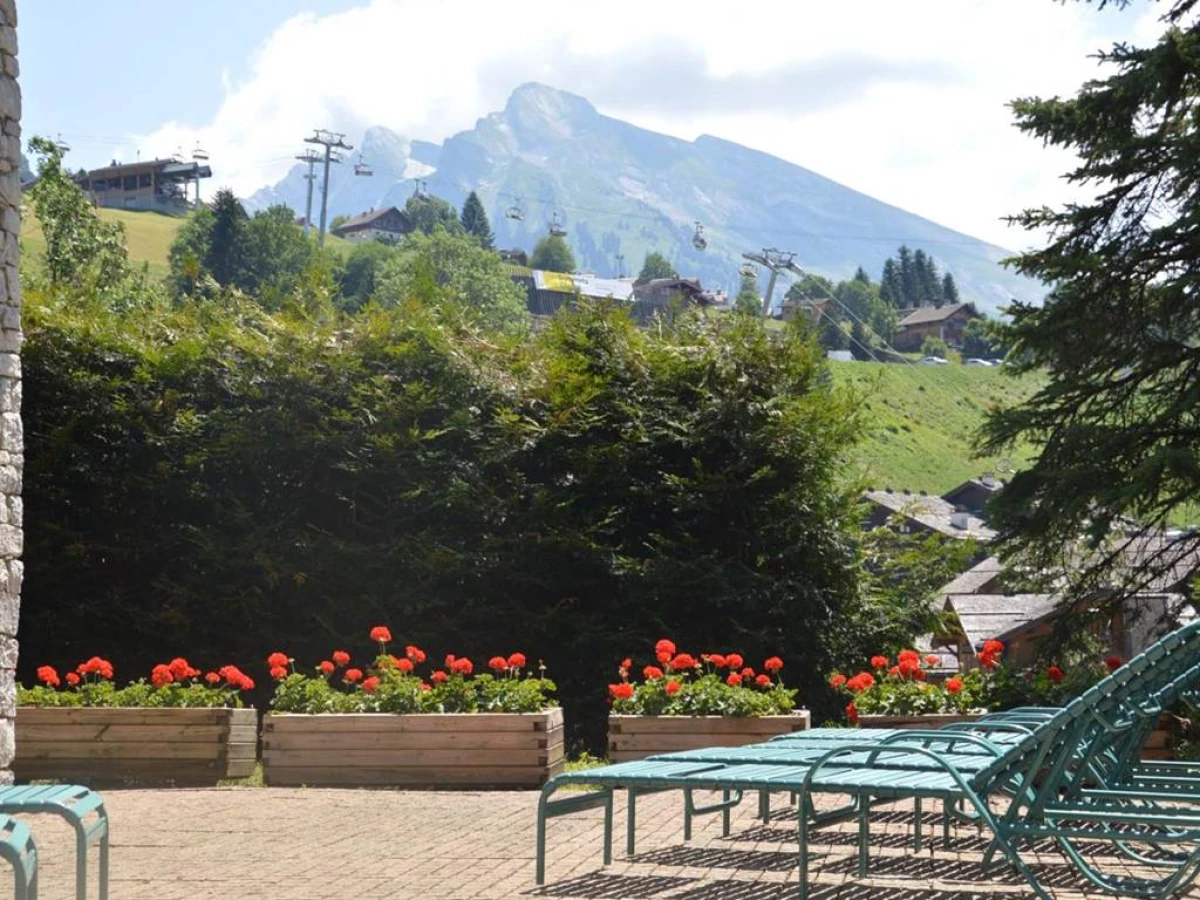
column 933, row 361
column 976, row 362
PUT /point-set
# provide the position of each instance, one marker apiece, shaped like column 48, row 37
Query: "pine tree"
column 475, row 221
column 949, row 289
column 908, row 279
column 552, row 254
column 891, row 290
column 224, row 258
column 860, row 274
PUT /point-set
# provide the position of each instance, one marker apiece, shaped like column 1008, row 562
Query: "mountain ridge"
column 622, row 190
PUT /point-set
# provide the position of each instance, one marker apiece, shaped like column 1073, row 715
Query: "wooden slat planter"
column 923, row 721
column 477, row 750
column 107, row 747
column 636, row 737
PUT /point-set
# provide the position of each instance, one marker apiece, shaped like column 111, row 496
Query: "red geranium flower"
column 449, row 661
column 665, row 646
column 851, row 713
column 993, row 647
column 879, row 662
column 425, row 687
column 352, row 675
column 404, row 665
column 1113, row 663
column 516, row 660
column 954, row 685
column 213, row 678
column 894, row 671
column 96, row 666
column 497, row 663
column 622, row 691
column 734, row 680
column 462, row 666
column 278, row 660
column 626, row 664
column 326, row 667
column 911, row 656
column 48, row 676
column 909, row 667
column 160, row 676
column 734, row 661
column 664, row 658
column 381, row 634
column 72, row 679
column 369, row 684
column 747, row 672
column 773, row 665
column 683, row 661
column 438, row 677
column 1055, row 674
column 837, row 681
column 763, row 680
column 416, row 654
column 716, row 659
column 931, row 660
column 988, row 660
column 180, row 669
column 652, row 673
column 236, row 678
column 341, row 658
column 672, row 687
column 278, row 673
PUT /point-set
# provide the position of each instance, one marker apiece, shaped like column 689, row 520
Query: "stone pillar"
column 12, row 448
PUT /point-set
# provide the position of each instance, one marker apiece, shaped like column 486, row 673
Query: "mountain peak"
column 538, row 105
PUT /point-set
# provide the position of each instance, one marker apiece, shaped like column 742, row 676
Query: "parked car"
column 933, row 361
column 976, row 362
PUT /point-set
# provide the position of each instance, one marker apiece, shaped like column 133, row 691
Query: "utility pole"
column 777, row 261
column 620, row 265
column 312, row 157
column 331, row 141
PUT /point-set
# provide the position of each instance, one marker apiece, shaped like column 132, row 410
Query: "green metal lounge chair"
column 898, row 768
column 81, row 807
column 18, row 848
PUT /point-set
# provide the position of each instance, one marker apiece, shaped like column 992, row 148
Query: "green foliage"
column 475, row 222
column 949, row 289
column 980, row 340
column 1115, row 422
column 452, row 271
column 360, row 274
column 214, row 476
column 911, row 279
column 831, row 335
column 82, row 253
column 747, row 299
column 552, row 254
column 226, row 250
column 656, row 266
column 428, row 213
column 685, row 686
column 935, row 346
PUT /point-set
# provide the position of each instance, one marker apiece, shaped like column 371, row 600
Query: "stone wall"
column 11, row 440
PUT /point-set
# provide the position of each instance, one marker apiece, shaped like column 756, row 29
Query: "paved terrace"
column 281, row 844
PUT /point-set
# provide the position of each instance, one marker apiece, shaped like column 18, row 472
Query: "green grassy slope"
column 148, row 237
column 921, row 419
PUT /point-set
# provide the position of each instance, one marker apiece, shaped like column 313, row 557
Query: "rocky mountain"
column 619, row 189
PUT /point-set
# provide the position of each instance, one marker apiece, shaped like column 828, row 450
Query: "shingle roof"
column 923, row 315
column 364, row 219
column 985, row 617
column 932, row 512
column 976, row 579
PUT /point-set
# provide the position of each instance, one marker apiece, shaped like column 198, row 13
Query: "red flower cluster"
column 623, row 690
column 48, row 676
column 880, row 662
column 96, row 666
column 326, row 667
column 181, row 670
column 160, row 676
column 1113, row 663
column 672, row 687
column 380, row 634
column 236, row 678
column 954, row 685
column 278, row 660
column 838, row 679
column 989, row 656
column 851, row 713
column 664, row 650
column 460, row 665
column 341, row 658
column 734, row 679
column 1055, row 674
column 683, row 661
column 416, row 654
column 773, row 665
column 652, row 673
column 369, row 684
column 516, row 661
column 353, row 675
column 860, row 682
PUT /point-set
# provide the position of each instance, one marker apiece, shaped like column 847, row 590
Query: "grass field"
column 921, row 420
column 148, row 237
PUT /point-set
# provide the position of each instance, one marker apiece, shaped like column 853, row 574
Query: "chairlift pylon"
column 419, row 192
column 556, row 227
column 698, row 239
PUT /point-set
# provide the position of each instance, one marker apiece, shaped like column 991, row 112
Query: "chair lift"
column 419, row 192
column 698, row 239
column 362, row 168
column 556, row 227
column 515, row 211
column 199, row 154
column 747, row 270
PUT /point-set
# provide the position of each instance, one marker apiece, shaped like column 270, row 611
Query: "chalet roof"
column 925, row 315
column 932, row 512
column 975, row 580
column 986, row 617
column 365, row 220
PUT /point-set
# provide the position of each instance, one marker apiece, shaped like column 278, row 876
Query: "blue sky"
column 905, row 102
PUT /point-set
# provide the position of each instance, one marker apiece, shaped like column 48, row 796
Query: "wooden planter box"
column 477, row 750
column 636, row 737
column 923, row 721
column 106, row 747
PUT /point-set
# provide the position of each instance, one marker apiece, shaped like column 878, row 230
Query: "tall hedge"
column 221, row 482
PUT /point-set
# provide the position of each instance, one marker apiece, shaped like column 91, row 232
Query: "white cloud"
column 942, row 145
